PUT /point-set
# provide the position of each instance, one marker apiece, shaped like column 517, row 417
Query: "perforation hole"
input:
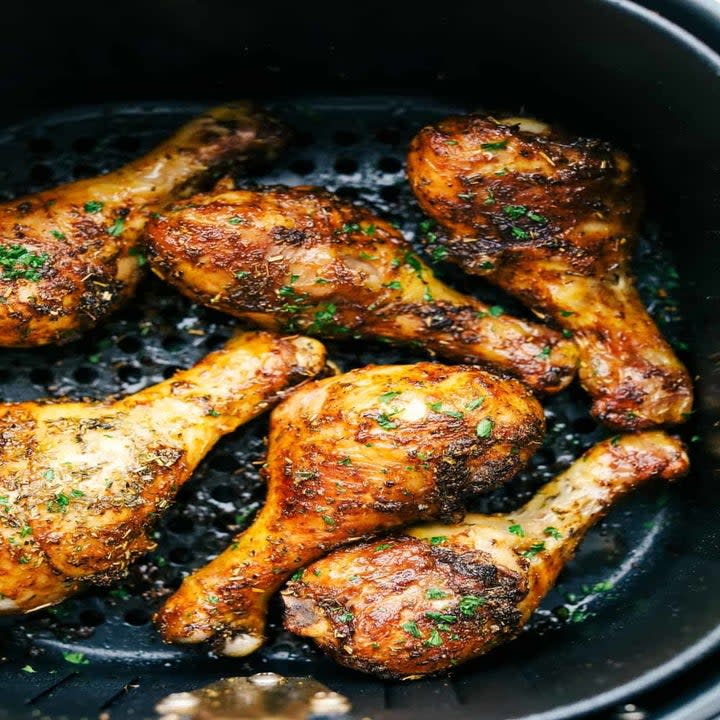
column 172, row 343
column 130, row 344
column 390, row 193
column 345, row 137
column 41, row 376
column 84, row 145
column 84, row 170
column 92, row 617
column 180, row 555
column 222, row 493
column 302, row 166
column 129, row 373
column 390, row 165
column 41, row 174
column 584, row 425
column 85, row 375
column 181, row 524
column 137, row 616
column 223, row 462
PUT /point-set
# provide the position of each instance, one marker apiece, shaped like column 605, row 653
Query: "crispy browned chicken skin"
column 350, row 456
column 68, row 255
column 552, row 219
column 81, row 482
column 301, row 259
column 409, row 605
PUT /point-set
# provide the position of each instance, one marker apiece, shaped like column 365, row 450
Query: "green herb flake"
column 438, row 254
column 19, row 262
column 297, row 575
column 615, row 440
column 49, row 474
column 435, row 594
column 117, row 227
column 438, row 408
column 470, row 603
column 434, row 640
column 25, row 531
column 393, row 285
column 441, row 617
column 487, row 265
column 567, row 333
column 93, row 206
column 28, row 669
column 384, row 421
column 369, row 230
column 544, row 354
column 515, row 211
column 328, row 520
column 411, row 628
column 534, row 549
column 489, row 198
column 388, row 396
column 466, row 196
column 213, row 413
column 241, row 274
column 566, row 313
column 519, row 233
column 497, row 310
column 235, row 220
column 58, row 235
column 213, row 599
column 321, row 281
column 536, row 217
column 139, row 255
column 438, row 539
column 367, row 256
column 380, row 548
column 475, row 404
column 516, row 529
column 552, row 532
column 346, row 617
column 77, row 493
column 76, row 658
column 484, row 428
column 345, row 461
column 499, row 145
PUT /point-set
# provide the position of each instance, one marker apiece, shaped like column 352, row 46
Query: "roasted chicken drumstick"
column 551, row 219
column 435, row 596
column 68, row 256
column 350, row 456
column 81, row 482
column 301, row 259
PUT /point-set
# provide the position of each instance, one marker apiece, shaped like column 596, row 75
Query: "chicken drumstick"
column 435, row 596
column 551, row 219
column 301, row 259
column 68, row 255
column 350, row 456
column 81, row 482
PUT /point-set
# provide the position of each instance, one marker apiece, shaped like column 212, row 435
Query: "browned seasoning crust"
column 348, row 457
column 552, row 219
column 81, row 482
column 436, row 596
column 69, row 255
column 302, row 260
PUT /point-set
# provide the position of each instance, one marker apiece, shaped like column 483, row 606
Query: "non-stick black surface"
column 630, row 601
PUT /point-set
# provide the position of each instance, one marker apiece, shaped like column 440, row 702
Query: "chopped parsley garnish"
column 93, row 206
column 77, row 493
column 475, row 404
column 567, row 333
column 213, row 599
column 321, row 281
column 49, row 474
column 19, row 262
column 411, row 628
column 380, row 548
column 137, row 252
column 367, row 256
column 213, row 413
column 26, row 530
column 384, row 421
column 438, row 408
column 536, row 217
column 28, row 669
column 328, row 520
column 518, row 232
column 58, row 235
column 534, row 549
column 544, row 354
column 393, row 285
column 241, row 274
column 435, row 640
column 235, row 220
column 515, row 211
column 76, row 658
column 484, row 428
column 59, row 504
column 117, row 227
column 466, row 196
column 441, row 617
column 369, row 230
column 435, row 594
column 438, row 254
column 388, row 396
column 297, row 575
column 499, row 145
column 414, row 262
column 489, row 198
column 470, row 603
column 345, row 461
column 497, row 310
column 346, row 617
column 516, row 529
column 566, row 313
column 350, row 227
column 438, row 539
column 4, row 500
column 552, row 532
column 614, row 440
column 487, row 265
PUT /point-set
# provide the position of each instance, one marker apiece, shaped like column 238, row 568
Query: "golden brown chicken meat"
column 81, row 482
column 301, row 259
column 69, row 255
column 435, row 596
column 350, row 456
column 552, row 219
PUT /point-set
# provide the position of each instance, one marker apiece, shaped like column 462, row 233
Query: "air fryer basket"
column 588, row 645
